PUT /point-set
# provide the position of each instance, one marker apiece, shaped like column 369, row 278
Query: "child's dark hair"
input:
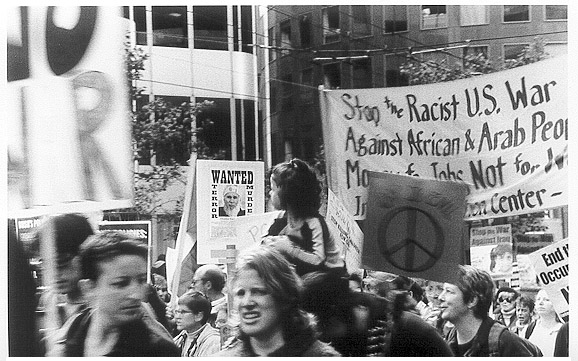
column 299, row 187
column 105, row 246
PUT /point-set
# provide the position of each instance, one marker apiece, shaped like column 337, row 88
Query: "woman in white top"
column 547, row 325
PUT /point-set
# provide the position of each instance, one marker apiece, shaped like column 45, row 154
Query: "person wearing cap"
column 231, row 202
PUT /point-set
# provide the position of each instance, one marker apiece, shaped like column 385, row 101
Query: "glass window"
column 140, row 20
column 556, row 12
column 272, row 42
column 361, row 73
column 332, row 76
column 170, row 26
column 512, row 51
column 306, row 91
column 126, row 12
column 247, row 28
column 285, row 40
column 514, row 13
column 305, row 30
column 286, row 92
column 361, row 15
column 434, row 16
column 210, row 26
column 473, row 15
column 331, row 28
column 395, row 18
column 216, row 120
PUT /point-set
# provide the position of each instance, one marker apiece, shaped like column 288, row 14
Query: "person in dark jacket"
column 267, row 295
column 116, row 322
column 466, row 305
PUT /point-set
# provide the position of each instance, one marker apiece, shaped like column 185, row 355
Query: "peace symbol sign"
column 420, row 254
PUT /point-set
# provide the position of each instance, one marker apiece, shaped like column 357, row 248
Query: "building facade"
column 363, row 46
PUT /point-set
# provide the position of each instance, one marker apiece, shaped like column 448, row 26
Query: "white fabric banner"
column 504, row 134
column 68, row 128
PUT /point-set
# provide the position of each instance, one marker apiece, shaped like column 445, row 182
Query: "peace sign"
column 420, row 254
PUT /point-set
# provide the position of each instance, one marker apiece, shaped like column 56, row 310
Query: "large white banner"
column 505, row 134
column 68, row 127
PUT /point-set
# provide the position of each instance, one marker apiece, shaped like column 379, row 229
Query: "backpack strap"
column 494, row 339
column 530, row 329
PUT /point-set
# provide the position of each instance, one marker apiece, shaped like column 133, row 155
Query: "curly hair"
column 500, row 249
column 299, row 187
column 284, row 285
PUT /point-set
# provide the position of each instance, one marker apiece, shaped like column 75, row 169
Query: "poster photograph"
column 491, row 249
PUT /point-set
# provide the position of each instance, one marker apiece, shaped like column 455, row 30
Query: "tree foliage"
column 428, row 72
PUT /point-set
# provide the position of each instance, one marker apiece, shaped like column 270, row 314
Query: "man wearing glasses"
column 210, row 280
column 506, row 312
column 197, row 338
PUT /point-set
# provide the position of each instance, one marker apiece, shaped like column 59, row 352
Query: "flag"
column 181, row 261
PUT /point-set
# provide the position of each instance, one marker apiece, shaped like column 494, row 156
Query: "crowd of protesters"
column 291, row 296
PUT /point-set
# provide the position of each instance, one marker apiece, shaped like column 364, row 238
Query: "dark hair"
column 105, row 246
column 70, row 230
column 197, row 302
column 500, row 249
column 299, row 187
column 526, row 301
column 508, row 290
column 284, row 285
column 476, row 283
column 407, row 284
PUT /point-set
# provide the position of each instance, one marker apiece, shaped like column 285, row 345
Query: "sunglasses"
column 507, row 299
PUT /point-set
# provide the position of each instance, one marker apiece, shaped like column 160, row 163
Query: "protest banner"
column 140, row 230
column 491, row 250
column 345, row 230
column 551, row 265
column 414, row 227
column 68, row 128
column 230, row 189
column 505, row 134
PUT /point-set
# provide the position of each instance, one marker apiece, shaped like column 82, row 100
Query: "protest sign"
column 505, row 134
column 140, row 230
column 345, row 230
column 491, row 250
column 240, row 232
column 551, row 265
column 68, row 129
column 414, row 227
column 225, row 190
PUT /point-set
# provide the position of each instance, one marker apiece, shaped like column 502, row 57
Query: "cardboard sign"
column 504, row 133
column 68, row 125
column 551, row 265
column 345, row 230
column 415, row 227
column 239, row 185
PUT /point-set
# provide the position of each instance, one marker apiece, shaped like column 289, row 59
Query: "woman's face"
column 274, row 194
column 259, row 313
column 543, row 304
column 523, row 313
column 503, row 263
column 231, row 200
column 433, row 291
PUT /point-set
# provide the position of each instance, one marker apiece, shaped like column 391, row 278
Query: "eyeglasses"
column 181, row 312
column 502, row 299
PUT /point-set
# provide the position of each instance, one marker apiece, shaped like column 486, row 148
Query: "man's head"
column 524, row 309
column 506, row 298
column 231, row 197
column 193, row 311
column 208, row 279
column 433, row 289
column 70, row 230
column 472, row 295
column 114, row 271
